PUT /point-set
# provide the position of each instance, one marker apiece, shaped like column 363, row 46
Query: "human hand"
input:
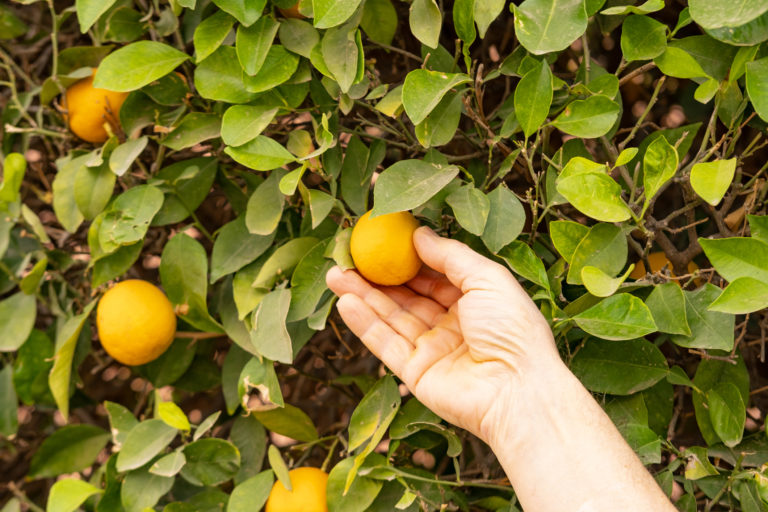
column 462, row 335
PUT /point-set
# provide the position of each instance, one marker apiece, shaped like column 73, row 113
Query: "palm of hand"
column 457, row 352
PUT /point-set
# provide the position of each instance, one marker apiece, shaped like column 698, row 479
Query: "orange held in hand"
column 136, row 322
column 88, row 108
column 382, row 248
column 308, row 494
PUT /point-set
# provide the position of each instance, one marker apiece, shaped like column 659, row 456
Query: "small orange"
column 308, row 494
column 658, row 260
column 382, row 248
column 88, row 108
column 291, row 12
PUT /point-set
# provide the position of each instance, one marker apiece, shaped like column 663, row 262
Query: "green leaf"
column 249, row 436
column 590, row 118
column 620, row 317
column 425, row 20
column 261, row 154
column 70, row 449
column 506, row 219
column 308, row 282
column 220, row 77
column 423, row 89
column 254, row 43
column 359, row 496
column 246, row 11
column 269, row 335
column 193, row 129
column 706, row 91
column 279, row 65
column 711, row 180
column 485, row 12
column 524, row 262
column 725, row 13
column 604, row 246
column 727, row 412
column 127, row 219
column 625, row 157
column 709, row 374
column 330, row 13
column 679, row 63
column 265, row 206
column 758, row 226
column 9, row 403
column 93, row 189
column 533, row 97
column 596, row 195
column 14, row 168
column 211, row 33
column 659, row 166
column 17, row 318
column 173, row 416
column 619, row 367
column 408, row 184
column 289, row 421
column 60, row 378
column 470, row 207
column 279, row 467
column 210, row 461
column 281, row 263
column 251, row 494
column 441, row 124
column 141, row 490
column 642, row 38
column 88, row 11
column 738, row 257
column 124, row 155
column 566, row 236
column 341, row 54
column 600, row 284
column 298, row 36
column 143, row 442
column 67, row 495
column 743, row 295
column 667, row 305
column 121, row 421
column 544, row 26
column 243, row 123
column 379, row 21
column 183, row 271
column 136, row 65
column 235, row 247
column 186, row 184
column 644, row 8
column 709, row 329
column 63, row 185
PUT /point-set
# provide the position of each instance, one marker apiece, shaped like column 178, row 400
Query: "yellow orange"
column 658, row 260
column 382, row 248
column 308, row 494
column 89, row 108
column 135, row 321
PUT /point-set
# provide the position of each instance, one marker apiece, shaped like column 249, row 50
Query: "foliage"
column 567, row 139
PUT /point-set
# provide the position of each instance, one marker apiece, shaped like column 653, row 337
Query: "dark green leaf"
column 210, row 461
column 69, row 449
column 408, row 184
column 620, row 317
column 289, row 421
column 533, row 97
column 143, row 442
column 136, row 65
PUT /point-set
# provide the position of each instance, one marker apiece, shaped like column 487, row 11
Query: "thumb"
column 464, row 267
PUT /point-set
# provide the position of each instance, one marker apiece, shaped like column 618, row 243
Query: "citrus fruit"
column 308, row 493
column 136, row 322
column 88, row 108
column 291, row 12
column 658, row 260
column 382, row 248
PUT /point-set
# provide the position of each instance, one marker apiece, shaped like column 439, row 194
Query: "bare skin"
column 473, row 347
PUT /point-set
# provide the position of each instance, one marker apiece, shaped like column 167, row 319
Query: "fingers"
column 380, row 338
column 423, row 308
column 401, row 320
column 465, row 268
column 430, row 283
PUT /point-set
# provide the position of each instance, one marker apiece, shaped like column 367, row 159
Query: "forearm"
column 562, row 453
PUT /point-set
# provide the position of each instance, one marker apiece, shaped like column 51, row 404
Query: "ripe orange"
column 135, row 321
column 658, row 260
column 308, row 495
column 88, row 108
column 382, row 248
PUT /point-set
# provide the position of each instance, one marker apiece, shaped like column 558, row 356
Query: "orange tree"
column 234, row 143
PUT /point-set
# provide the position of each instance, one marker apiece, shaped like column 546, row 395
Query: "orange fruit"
column 308, row 494
column 382, row 248
column 135, row 321
column 658, row 260
column 89, row 108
